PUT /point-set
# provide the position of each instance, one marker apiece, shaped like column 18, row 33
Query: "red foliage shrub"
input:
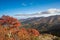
column 33, row 32
column 11, row 30
column 8, row 26
column 23, row 34
column 9, row 21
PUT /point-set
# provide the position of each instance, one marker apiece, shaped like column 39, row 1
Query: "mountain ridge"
column 43, row 24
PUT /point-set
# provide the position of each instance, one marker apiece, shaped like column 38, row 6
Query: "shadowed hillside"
column 49, row 24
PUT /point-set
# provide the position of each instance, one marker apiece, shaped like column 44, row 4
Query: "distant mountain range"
column 44, row 24
column 38, row 20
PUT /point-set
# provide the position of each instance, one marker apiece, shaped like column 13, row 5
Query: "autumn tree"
column 8, row 26
column 33, row 32
column 9, row 30
column 23, row 34
column 9, row 21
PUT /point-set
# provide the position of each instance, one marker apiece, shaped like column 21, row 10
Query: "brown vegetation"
column 9, row 30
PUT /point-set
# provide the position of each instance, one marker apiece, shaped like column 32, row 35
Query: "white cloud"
column 54, row 10
column 47, row 13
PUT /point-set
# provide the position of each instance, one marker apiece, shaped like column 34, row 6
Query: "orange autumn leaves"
column 9, row 21
column 9, row 30
column 33, row 32
column 26, row 34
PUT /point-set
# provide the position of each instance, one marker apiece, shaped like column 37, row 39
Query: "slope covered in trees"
column 49, row 24
column 10, row 30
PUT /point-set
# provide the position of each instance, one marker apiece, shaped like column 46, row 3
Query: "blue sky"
column 13, row 7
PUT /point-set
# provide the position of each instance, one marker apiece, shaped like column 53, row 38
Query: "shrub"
column 9, row 30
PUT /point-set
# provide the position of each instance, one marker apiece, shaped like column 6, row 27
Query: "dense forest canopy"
column 9, row 30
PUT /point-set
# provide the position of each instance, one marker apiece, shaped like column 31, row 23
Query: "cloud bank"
column 49, row 12
column 54, row 10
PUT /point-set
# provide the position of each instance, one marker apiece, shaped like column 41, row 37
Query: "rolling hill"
column 49, row 24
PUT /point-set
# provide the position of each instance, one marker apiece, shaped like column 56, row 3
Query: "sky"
column 29, row 8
